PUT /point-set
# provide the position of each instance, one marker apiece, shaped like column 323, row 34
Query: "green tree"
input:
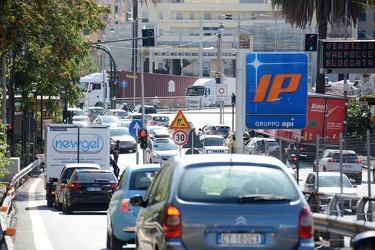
column 300, row 13
column 358, row 118
column 44, row 44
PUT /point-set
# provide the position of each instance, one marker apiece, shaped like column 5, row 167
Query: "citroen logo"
column 241, row 221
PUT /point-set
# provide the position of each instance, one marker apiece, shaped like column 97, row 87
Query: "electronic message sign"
column 276, row 90
column 348, row 56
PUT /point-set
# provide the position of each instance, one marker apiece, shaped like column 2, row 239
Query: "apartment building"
column 186, row 31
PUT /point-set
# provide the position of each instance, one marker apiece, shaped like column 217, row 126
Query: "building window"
column 179, row 16
column 192, row 16
column 145, row 17
column 363, row 17
column 361, row 34
column 207, row 16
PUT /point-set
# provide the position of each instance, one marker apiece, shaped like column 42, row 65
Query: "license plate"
column 94, row 189
column 240, row 239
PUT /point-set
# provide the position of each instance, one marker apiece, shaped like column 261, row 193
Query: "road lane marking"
column 39, row 231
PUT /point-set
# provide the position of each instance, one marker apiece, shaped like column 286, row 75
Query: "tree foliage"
column 43, row 42
column 300, row 13
column 358, row 118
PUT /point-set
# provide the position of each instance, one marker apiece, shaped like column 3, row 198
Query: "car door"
column 150, row 220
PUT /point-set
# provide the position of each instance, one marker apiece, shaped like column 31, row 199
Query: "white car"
column 329, row 161
column 126, row 141
column 112, row 121
column 329, row 184
column 160, row 149
column 257, row 145
column 157, row 120
column 214, row 144
column 81, row 120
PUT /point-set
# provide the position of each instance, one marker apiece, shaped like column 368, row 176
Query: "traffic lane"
column 40, row 227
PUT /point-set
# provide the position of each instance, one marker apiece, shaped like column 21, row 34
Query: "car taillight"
column 152, row 123
column 126, row 207
column 114, row 185
column 303, row 149
column 62, row 186
column 172, row 222
column 75, row 185
column 51, row 179
column 305, row 223
column 358, row 161
column 332, row 160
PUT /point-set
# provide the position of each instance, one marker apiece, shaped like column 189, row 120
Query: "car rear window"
column 141, row 180
column 234, row 184
column 96, row 176
column 220, row 129
column 161, row 118
column 345, row 157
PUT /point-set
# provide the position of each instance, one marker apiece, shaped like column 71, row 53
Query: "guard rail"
column 6, row 232
column 333, row 225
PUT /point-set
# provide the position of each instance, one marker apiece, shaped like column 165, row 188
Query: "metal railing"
column 6, row 232
column 334, row 225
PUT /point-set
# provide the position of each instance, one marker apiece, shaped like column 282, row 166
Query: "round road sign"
column 180, row 137
column 221, row 91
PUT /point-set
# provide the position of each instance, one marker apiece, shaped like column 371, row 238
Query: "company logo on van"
column 88, row 143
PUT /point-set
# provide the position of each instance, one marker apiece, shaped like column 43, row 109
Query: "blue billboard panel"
column 276, row 90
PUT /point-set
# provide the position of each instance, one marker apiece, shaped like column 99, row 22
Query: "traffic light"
column 65, row 116
column 148, row 38
column 311, row 42
column 9, row 134
column 233, row 99
column 143, row 138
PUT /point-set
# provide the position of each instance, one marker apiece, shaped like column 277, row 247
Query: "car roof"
column 226, row 158
column 142, row 166
column 212, row 136
column 327, row 173
column 95, row 107
column 82, row 165
column 85, row 170
column 117, row 110
column 345, row 151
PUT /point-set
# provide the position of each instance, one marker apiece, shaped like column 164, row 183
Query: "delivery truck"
column 69, row 143
column 209, row 92
column 325, row 118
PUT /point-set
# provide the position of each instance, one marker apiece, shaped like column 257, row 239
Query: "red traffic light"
column 10, row 127
column 142, row 133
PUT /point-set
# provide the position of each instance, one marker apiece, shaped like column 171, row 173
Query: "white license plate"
column 240, row 239
column 94, row 189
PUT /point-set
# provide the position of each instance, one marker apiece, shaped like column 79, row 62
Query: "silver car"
column 223, row 202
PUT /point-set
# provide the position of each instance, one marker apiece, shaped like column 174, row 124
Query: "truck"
column 209, row 92
column 95, row 89
column 69, row 143
column 325, row 118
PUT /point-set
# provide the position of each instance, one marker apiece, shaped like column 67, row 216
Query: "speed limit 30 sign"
column 180, row 137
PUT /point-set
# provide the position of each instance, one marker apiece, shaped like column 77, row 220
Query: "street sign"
column 221, row 92
column 134, row 128
column 180, row 137
column 171, row 86
column 369, row 100
column 180, row 122
column 124, row 84
column 276, row 90
column 193, row 141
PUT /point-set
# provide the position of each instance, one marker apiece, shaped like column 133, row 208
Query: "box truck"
column 69, row 143
column 325, row 118
column 209, row 92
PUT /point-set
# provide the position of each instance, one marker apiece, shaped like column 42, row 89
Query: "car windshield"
column 345, row 157
column 235, row 184
column 160, row 145
column 141, row 180
column 220, row 129
column 110, row 119
column 333, row 181
column 214, row 142
column 97, row 111
column 121, row 131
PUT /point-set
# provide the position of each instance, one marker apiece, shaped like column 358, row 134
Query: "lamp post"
column 274, row 18
column 134, row 52
column 218, row 66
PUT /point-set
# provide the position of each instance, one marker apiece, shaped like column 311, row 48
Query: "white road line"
column 39, row 231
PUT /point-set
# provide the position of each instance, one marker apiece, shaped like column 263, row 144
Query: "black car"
column 84, row 190
column 149, row 109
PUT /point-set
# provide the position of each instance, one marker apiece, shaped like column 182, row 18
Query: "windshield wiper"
column 262, row 197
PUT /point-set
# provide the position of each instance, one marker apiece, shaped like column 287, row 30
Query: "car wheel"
column 66, row 209
column 58, row 205
column 115, row 243
column 324, row 169
column 50, row 203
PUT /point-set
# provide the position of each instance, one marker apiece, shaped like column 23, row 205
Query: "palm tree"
column 300, row 13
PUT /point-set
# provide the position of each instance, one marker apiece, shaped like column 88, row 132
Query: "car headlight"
column 209, row 151
column 226, row 151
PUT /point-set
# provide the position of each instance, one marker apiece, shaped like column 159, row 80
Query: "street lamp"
column 274, row 18
column 221, row 28
column 134, row 52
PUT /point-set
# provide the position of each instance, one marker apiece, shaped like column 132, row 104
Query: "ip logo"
column 276, row 90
